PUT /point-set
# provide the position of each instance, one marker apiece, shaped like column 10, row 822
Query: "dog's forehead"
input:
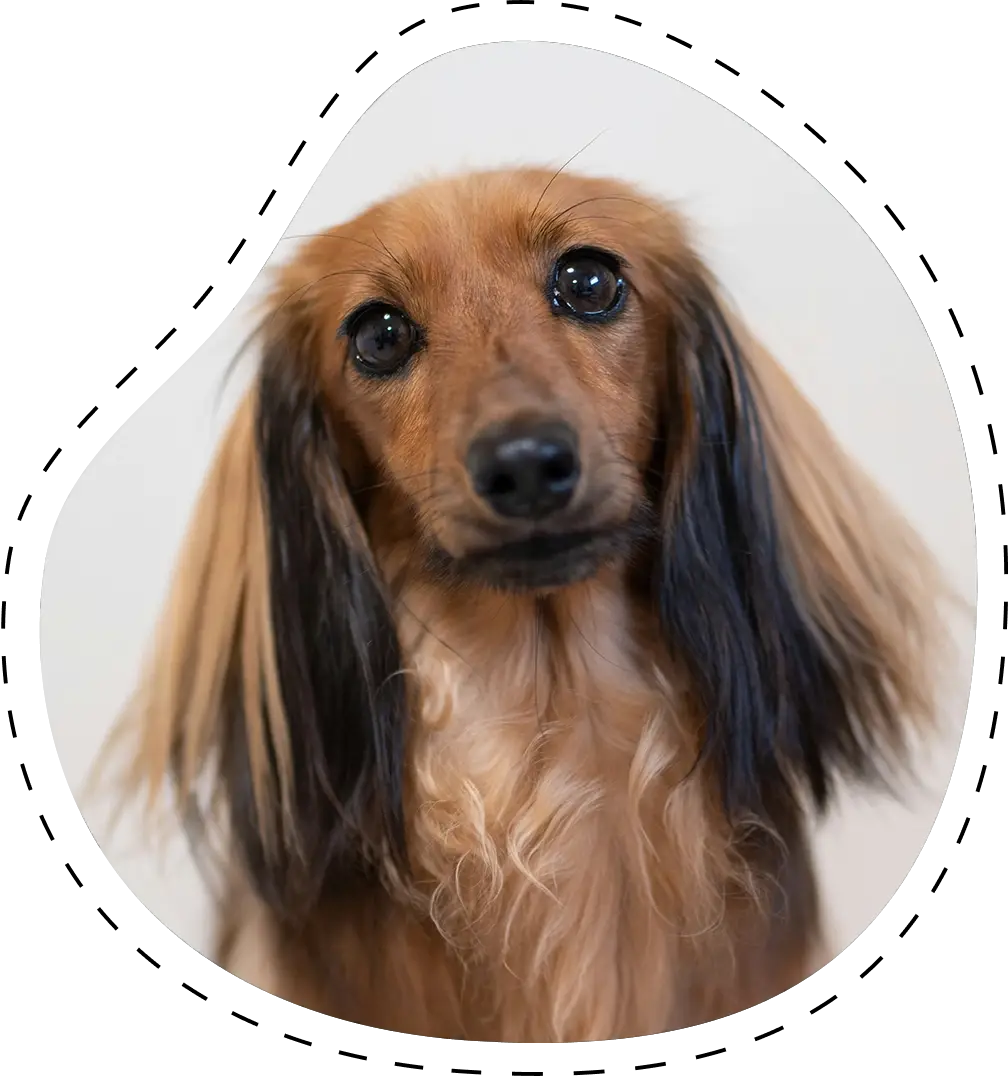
column 479, row 241
column 493, row 218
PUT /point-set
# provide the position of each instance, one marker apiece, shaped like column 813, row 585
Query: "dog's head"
column 511, row 380
column 495, row 351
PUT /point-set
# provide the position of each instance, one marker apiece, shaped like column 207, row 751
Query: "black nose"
column 525, row 470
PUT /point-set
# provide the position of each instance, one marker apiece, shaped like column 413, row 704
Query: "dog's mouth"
column 542, row 547
column 547, row 560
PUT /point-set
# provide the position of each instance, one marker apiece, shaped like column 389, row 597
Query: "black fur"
column 778, row 707
column 338, row 660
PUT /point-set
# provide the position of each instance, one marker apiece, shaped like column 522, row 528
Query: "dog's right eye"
column 382, row 339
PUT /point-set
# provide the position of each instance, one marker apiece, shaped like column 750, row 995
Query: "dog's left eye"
column 588, row 284
column 382, row 339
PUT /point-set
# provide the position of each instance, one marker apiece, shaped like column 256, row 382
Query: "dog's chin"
column 543, row 562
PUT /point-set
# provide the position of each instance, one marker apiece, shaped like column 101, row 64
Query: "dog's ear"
column 800, row 603
column 276, row 675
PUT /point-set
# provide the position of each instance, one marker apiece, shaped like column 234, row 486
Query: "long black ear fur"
column 775, row 702
column 337, row 657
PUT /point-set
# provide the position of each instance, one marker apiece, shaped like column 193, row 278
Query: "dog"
column 527, row 618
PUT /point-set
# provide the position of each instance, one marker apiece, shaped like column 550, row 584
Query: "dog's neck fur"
column 556, row 826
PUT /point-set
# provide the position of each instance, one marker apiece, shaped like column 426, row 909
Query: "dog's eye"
column 588, row 284
column 381, row 339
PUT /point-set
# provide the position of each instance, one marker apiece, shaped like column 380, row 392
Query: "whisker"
column 427, row 629
column 539, row 614
column 262, row 324
column 344, row 238
column 233, row 364
column 394, row 480
column 591, row 645
column 402, row 268
column 556, row 218
column 298, row 292
column 556, row 174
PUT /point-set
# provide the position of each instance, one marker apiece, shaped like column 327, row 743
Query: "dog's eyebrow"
column 551, row 233
column 383, row 286
column 389, row 283
column 557, row 235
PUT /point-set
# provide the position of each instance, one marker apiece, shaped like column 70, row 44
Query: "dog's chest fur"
column 574, row 878
column 561, row 852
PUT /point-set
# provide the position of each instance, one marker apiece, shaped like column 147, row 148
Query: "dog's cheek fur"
column 799, row 602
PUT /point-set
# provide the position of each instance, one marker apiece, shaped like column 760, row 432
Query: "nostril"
column 558, row 477
column 501, row 484
column 560, row 470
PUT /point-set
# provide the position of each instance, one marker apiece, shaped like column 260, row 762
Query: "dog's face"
column 492, row 344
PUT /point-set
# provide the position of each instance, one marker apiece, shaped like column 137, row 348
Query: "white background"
column 797, row 266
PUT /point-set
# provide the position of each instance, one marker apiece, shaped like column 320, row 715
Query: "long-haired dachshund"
column 528, row 614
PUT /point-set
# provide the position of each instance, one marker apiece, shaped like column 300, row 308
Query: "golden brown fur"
column 571, row 871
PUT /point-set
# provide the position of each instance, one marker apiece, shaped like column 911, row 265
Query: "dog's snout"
column 525, row 470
